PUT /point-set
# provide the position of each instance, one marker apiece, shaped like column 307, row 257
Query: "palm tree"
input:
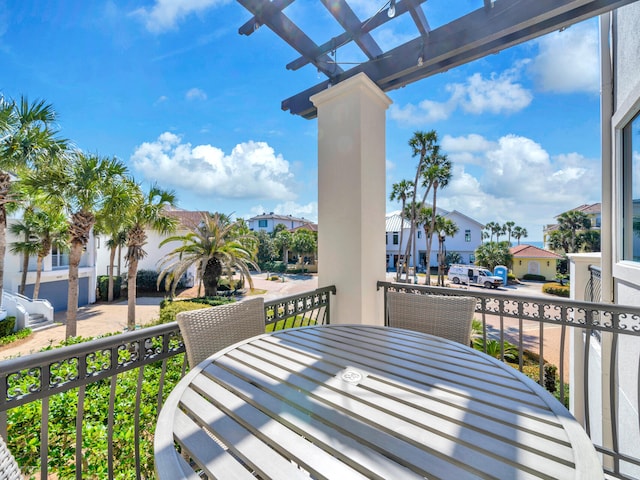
column 508, row 228
column 400, row 191
column 114, row 218
column 304, row 243
column 52, row 230
column 519, row 232
column 26, row 141
column 77, row 187
column 571, row 223
column 445, row 227
column 147, row 212
column 491, row 254
column 27, row 247
column 283, row 241
column 422, row 144
column 216, row 248
column 494, row 228
column 437, row 175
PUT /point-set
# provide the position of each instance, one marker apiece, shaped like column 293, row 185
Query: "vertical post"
column 351, row 197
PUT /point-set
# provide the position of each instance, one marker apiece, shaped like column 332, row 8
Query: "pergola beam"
column 367, row 26
column 419, row 18
column 268, row 13
column 342, row 12
column 480, row 33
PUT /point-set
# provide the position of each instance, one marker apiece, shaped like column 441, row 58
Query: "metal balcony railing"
column 603, row 368
column 89, row 410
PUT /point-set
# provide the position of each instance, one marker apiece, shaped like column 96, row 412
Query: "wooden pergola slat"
column 494, row 26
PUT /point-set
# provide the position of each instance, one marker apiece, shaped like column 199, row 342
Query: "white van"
column 473, row 275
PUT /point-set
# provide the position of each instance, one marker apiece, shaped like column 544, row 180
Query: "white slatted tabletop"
column 361, row 402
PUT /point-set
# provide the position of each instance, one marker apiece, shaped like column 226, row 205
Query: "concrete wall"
column 540, row 266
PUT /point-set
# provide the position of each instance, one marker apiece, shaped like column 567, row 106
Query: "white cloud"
column 516, row 179
column 471, row 143
column 195, row 94
column 498, row 94
column 251, row 170
column 568, row 61
column 165, row 14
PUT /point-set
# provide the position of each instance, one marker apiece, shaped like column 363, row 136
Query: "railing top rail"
column 38, row 359
column 616, row 308
column 279, row 300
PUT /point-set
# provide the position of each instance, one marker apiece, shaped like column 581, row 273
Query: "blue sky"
column 172, row 89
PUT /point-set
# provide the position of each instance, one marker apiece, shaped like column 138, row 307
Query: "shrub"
column 224, row 285
column 553, row 288
column 13, row 337
column 103, row 287
column 6, row 326
column 147, row 280
column 533, row 276
column 276, row 267
column 169, row 309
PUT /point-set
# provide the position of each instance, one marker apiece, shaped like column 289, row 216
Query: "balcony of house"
column 89, row 410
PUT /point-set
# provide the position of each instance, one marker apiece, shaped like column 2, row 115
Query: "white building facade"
column 465, row 242
column 54, row 280
column 268, row 221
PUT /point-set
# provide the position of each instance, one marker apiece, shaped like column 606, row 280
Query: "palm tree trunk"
column 429, row 239
column 36, row 286
column 3, row 232
column 112, row 256
column 131, row 293
column 398, row 266
column 72, row 299
column 119, row 259
column 25, row 269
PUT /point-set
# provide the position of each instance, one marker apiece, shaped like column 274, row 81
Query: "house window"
column 467, row 235
column 631, row 190
column 59, row 259
column 395, row 238
column 419, row 233
column 262, row 224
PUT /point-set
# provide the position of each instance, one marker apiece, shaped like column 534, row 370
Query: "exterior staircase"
column 38, row 321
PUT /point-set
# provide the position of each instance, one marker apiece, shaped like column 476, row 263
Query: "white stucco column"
column 351, row 197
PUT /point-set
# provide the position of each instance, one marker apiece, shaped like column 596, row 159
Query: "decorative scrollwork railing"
column 602, row 361
column 129, row 374
column 310, row 308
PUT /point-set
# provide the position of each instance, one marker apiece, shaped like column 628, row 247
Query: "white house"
column 54, row 280
column 155, row 253
column 267, row 222
column 465, row 242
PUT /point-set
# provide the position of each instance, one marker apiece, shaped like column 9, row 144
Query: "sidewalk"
column 101, row 318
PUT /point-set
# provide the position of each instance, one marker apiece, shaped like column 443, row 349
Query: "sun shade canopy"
column 492, row 27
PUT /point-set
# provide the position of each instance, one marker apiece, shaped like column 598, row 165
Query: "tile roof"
column 529, row 251
column 188, row 219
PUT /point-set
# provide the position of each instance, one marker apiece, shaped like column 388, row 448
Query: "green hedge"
column 103, row 287
column 553, row 288
column 6, row 326
column 275, row 267
column 169, row 309
column 533, row 276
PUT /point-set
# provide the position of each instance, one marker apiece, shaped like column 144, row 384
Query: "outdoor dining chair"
column 9, row 469
column 448, row 317
column 206, row 331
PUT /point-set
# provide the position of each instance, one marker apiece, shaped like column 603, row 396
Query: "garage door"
column 56, row 293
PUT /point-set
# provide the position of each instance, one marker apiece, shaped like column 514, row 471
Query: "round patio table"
column 364, row 402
